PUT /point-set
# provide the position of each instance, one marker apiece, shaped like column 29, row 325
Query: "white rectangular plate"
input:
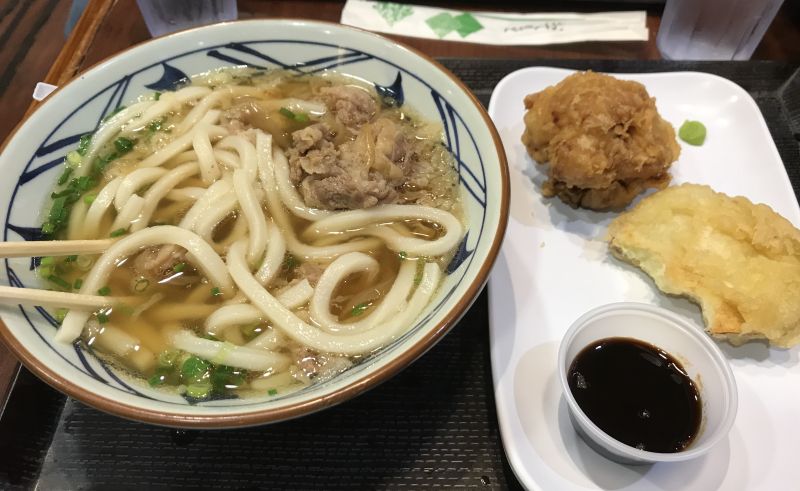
column 554, row 266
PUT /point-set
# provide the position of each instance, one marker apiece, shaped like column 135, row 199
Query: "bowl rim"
column 369, row 380
column 716, row 357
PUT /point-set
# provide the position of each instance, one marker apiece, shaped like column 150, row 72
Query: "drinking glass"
column 714, row 29
column 166, row 16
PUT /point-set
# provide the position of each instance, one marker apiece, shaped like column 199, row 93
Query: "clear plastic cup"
column 714, row 29
column 701, row 358
column 166, row 16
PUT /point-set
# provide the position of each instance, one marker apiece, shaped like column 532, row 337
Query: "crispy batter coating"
column 603, row 138
column 738, row 260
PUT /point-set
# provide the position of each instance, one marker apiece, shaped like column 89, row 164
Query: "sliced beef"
column 157, row 263
column 359, row 173
column 352, row 105
column 308, row 270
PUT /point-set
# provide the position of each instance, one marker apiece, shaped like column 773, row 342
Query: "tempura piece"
column 603, row 138
column 738, row 260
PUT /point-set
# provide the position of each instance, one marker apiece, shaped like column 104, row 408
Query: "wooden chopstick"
column 35, row 248
column 31, row 296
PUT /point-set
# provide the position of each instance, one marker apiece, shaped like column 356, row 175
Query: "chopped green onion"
column 286, row 112
column 141, row 285
column 179, row 267
column 73, row 158
column 156, row 96
column 89, row 198
column 168, row 358
column 101, row 163
column 70, row 259
column 290, row 262
column 123, row 145
column 155, row 125
column 215, row 292
column 359, row 309
column 63, row 178
column 195, row 369
column 198, row 390
column 299, row 117
column 420, row 271
column 104, row 292
column 83, row 144
column 47, row 260
column 159, row 377
column 402, row 255
column 61, row 314
column 119, row 232
column 272, row 392
column 102, row 317
column 692, row 132
column 59, row 281
column 45, row 271
column 225, row 377
column 78, row 284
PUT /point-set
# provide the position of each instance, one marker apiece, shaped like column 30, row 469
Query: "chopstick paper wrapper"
column 494, row 28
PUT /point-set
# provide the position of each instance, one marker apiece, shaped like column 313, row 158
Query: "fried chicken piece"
column 739, row 261
column 603, row 138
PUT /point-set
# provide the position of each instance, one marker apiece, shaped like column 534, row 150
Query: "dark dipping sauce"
column 636, row 393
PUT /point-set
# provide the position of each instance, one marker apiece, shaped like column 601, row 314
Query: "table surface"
column 35, row 49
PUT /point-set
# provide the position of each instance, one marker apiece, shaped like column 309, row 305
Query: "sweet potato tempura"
column 603, row 138
column 738, row 260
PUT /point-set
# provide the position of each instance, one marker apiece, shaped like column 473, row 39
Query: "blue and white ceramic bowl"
column 30, row 165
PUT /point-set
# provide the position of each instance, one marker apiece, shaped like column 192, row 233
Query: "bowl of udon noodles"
column 246, row 222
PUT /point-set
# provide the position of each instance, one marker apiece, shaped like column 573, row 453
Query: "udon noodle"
column 274, row 229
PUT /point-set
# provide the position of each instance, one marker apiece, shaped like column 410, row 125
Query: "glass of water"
column 166, row 16
column 714, row 29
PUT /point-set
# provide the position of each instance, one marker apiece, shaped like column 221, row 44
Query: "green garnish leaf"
column 71, row 259
column 155, row 125
column 83, row 144
column 195, row 369
column 272, row 392
column 61, row 282
column 104, row 292
column 179, row 267
column 358, row 309
column 118, row 232
column 123, row 145
column 63, row 178
column 692, row 132
column 198, row 390
column 290, row 262
column 168, row 358
column 101, row 163
column 78, row 284
column 215, row 292
column 299, row 117
column 61, row 314
column 159, row 377
column 73, row 159
column 225, row 378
